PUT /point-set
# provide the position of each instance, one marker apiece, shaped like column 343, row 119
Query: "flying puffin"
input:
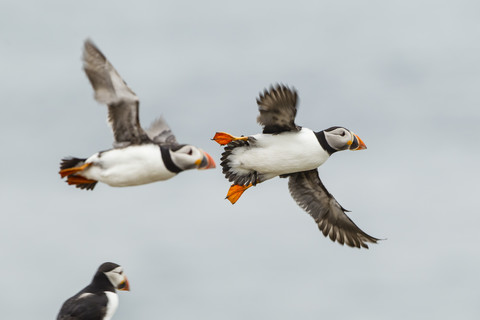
column 287, row 150
column 139, row 156
column 98, row 300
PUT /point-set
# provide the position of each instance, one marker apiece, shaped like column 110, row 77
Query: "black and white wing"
column 278, row 108
column 86, row 306
column 160, row 133
column 110, row 89
column 311, row 195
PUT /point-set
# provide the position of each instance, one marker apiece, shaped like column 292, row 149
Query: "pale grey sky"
column 404, row 75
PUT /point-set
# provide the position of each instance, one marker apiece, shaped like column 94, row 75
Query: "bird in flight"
column 138, row 156
column 285, row 149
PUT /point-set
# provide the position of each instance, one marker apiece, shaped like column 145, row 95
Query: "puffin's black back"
column 93, row 304
column 91, row 307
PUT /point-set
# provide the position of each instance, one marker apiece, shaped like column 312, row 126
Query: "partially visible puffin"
column 139, row 156
column 287, row 150
column 98, row 300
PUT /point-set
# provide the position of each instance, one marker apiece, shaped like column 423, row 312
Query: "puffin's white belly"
column 130, row 166
column 112, row 304
column 276, row 154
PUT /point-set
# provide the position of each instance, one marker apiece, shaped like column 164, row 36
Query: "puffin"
column 287, row 150
column 138, row 156
column 98, row 300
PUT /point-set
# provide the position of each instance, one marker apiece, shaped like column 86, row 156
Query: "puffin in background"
column 98, row 300
column 287, row 150
column 139, row 156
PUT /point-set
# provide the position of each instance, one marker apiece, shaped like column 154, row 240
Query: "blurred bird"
column 98, row 300
column 139, row 156
column 287, row 150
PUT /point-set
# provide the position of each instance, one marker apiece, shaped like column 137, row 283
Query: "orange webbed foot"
column 223, row 138
column 79, row 180
column 235, row 192
column 69, row 171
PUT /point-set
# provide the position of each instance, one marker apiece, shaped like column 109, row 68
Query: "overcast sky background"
column 403, row 75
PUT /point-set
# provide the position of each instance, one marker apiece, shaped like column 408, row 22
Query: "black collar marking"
column 167, row 160
column 323, row 142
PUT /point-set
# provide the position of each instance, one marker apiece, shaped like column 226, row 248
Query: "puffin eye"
column 190, row 152
column 343, row 133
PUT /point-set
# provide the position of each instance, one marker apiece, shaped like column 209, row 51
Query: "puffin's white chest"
column 276, row 154
column 130, row 166
column 112, row 304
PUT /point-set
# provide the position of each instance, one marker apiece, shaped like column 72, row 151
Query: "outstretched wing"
column 278, row 108
column 311, row 195
column 160, row 133
column 111, row 90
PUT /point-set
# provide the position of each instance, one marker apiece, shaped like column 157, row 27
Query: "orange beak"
column 357, row 143
column 124, row 285
column 207, row 162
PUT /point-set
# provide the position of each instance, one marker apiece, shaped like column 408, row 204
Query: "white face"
column 187, row 157
column 116, row 276
column 339, row 138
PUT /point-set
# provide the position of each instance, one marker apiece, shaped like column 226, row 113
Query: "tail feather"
column 71, row 162
column 229, row 169
column 86, row 186
column 69, row 166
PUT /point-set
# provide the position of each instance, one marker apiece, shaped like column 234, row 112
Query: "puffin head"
column 114, row 274
column 339, row 138
column 190, row 157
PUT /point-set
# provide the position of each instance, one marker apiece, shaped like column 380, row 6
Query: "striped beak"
column 357, row 143
column 124, row 285
column 206, row 162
